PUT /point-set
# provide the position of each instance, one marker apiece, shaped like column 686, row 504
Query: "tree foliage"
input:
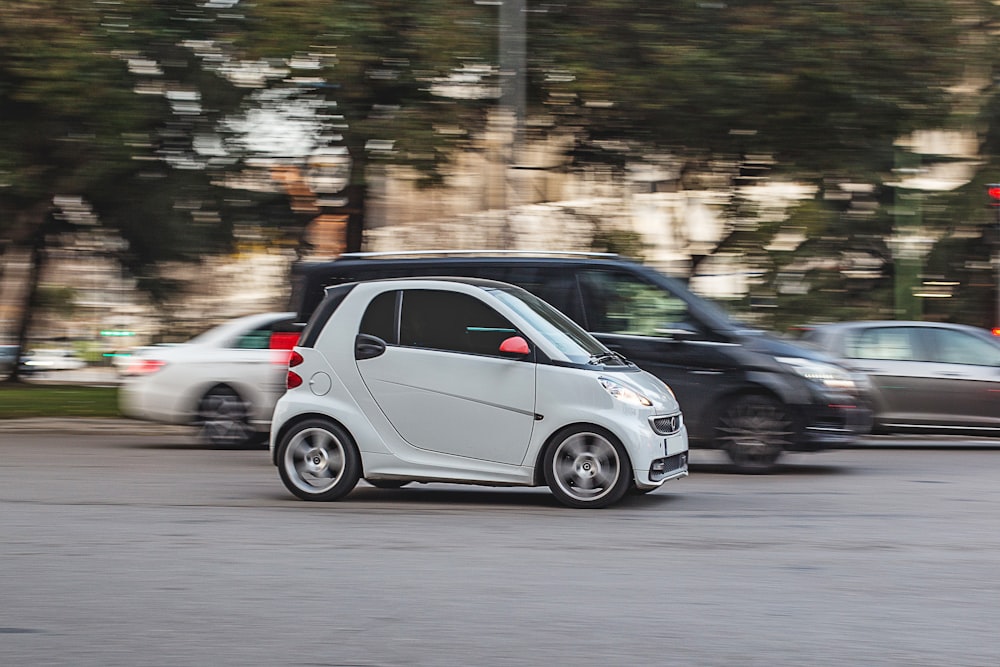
column 144, row 108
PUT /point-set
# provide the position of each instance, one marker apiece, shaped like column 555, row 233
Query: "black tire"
column 223, row 419
column 587, row 467
column 754, row 431
column 318, row 460
column 388, row 483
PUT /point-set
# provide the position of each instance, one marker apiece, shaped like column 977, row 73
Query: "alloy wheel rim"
column 586, row 466
column 315, row 460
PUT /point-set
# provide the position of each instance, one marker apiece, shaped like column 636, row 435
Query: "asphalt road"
column 121, row 549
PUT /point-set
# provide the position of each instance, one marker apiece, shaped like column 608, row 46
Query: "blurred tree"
column 385, row 65
column 821, row 90
column 823, row 87
column 72, row 126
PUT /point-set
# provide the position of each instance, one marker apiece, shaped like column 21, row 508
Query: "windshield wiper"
column 604, row 357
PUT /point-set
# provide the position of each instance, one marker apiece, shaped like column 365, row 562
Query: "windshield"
column 562, row 333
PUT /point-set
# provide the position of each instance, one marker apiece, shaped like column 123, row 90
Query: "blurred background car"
column 921, row 376
column 54, row 359
column 224, row 381
column 121, row 360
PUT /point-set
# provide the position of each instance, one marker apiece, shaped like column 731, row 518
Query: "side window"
column 620, row 303
column 380, row 317
column 887, row 343
column 957, row 347
column 451, row 321
column 260, row 338
column 556, row 287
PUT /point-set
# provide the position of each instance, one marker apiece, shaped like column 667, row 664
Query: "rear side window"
column 885, row 343
column 380, row 318
column 451, row 321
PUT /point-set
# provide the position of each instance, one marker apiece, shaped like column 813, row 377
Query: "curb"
column 91, row 426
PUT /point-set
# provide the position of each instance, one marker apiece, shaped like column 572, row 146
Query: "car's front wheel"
column 586, row 466
column 318, row 460
column 754, row 431
column 223, row 419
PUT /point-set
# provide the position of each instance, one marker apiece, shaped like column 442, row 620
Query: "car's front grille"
column 666, row 425
column 660, row 468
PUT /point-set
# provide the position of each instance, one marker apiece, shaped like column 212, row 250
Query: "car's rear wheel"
column 754, row 431
column 388, row 483
column 586, row 466
column 223, row 419
column 318, row 460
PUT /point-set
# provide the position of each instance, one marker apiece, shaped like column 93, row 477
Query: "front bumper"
column 832, row 425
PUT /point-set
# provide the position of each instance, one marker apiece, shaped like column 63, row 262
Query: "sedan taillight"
column 144, row 366
column 282, row 343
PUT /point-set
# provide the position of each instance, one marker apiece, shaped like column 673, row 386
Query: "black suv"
column 741, row 390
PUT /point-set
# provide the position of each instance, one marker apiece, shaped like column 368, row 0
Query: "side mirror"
column 515, row 345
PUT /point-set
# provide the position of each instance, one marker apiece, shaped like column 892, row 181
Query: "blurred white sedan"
column 44, row 360
column 224, row 381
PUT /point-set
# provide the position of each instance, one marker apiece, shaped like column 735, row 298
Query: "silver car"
column 922, row 376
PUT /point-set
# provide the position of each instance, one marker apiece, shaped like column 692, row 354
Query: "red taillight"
column 293, row 379
column 144, row 366
column 996, row 331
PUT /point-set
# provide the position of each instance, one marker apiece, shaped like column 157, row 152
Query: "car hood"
column 756, row 340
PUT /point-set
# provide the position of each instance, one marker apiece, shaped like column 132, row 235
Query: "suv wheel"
column 318, row 460
column 223, row 419
column 753, row 431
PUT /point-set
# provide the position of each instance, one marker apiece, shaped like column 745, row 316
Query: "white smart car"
column 467, row 381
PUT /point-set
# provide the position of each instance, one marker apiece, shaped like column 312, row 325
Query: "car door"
column 655, row 330
column 442, row 382
column 895, row 362
column 963, row 371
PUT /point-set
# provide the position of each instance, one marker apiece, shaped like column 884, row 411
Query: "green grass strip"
column 19, row 401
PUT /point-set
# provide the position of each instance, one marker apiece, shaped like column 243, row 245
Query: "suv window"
column 451, row 321
column 617, row 302
column 557, row 288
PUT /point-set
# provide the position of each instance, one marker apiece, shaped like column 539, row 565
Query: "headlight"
column 623, row 393
column 828, row 375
